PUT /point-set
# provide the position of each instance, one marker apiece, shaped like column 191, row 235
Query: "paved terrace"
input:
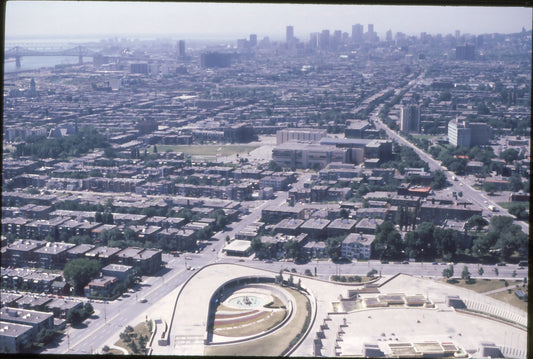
column 188, row 327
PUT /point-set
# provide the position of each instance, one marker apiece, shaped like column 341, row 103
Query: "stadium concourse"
column 396, row 316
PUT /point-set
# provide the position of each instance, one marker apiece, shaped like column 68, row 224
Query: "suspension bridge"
column 18, row 52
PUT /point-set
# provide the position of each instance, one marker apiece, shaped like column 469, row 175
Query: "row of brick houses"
column 42, row 254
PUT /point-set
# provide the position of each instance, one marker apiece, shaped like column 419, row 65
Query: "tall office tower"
column 371, row 35
column 323, row 40
column 337, row 39
column 465, row 52
column 357, row 33
column 457, row 35
column 313, row 40
column 410, row 118
column 181, row 49
column 389, row 35
column 459, row 133
column 253, row 40
column 289, row 35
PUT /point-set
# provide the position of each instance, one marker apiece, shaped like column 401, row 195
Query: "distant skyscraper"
column 389, row 35
column 371, row 35
column 181, row 49
column 253, row 40
column 410, row 118
column 290, row 35
column 337, row 39
column 457, row 35
column 323, row 40
column 313, row 40
column 357, row 33
column 465, row 52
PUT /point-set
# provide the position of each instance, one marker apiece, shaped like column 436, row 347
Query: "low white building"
column 357, row 245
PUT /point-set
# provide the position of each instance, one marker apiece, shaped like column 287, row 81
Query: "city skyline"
column 32, row 18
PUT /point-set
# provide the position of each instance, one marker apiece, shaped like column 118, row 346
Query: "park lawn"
column 114, row 352
column 276, row 317
column 484, row 285
column 506, row 205
column 139, row 329
column 270, row 345
column 207, row 150
column 511, row 298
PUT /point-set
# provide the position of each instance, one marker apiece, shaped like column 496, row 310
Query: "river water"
column 37, row 62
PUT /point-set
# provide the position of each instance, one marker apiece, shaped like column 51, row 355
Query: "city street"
column 459, row 185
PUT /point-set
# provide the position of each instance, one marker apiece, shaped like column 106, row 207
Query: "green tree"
column 489, row 187
column 448, row 272
column 98, row 217
column 520, row 210
column 465, row 273
column 388, row 242
column 515, row 183
column 75, row 316
column 343, row 213
column 476, row 221
column 439, row 180
column 372, row 273
column 333, row 247
column 292, row 249
column 88, row 309
column 509, row 155
column 79, row 272
column 45, row 336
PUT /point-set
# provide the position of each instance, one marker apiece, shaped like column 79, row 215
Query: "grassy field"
column 511, row 298
column 485, row 285
column 114, row 352
column 256, row 328
column 271, row 345
column 207, row 150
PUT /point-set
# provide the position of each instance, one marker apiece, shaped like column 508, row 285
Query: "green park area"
column 134, row 339
column 506, row 293
column 275, row 344
column 207, row 150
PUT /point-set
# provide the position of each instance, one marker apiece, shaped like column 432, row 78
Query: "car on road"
column 143, row 300
column 501, row 264
column 384, row 262
column 405, row 262
column 435, row 263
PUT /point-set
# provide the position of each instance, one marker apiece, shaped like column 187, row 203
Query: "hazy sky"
column 26, row 18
